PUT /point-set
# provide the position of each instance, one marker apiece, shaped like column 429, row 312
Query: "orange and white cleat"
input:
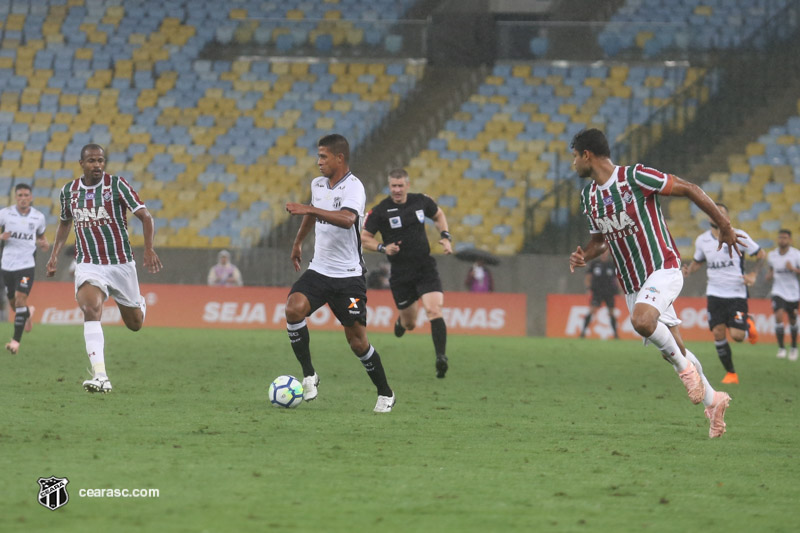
column 716, row 414
column 752, row 332
column 731, row 377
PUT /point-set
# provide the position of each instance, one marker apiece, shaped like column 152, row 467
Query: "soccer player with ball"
column 622, row 207
column 336, row 273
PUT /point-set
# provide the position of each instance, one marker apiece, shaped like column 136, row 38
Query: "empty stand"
column 214, row 147
column 508, row 145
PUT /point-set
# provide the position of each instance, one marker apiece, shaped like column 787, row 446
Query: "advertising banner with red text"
column 566, row 314
column 193, row 306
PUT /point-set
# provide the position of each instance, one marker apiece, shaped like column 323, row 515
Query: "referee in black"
column 601, row 281
column 400, row 219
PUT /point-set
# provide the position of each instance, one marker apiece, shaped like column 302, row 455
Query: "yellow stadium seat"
column 642, row 37
column 706, row 11
column 622, row 91
column 237, row 14
column 521, row 71
column 567, row 109
column 618, row 72
column 755, row 148
column 653, row 81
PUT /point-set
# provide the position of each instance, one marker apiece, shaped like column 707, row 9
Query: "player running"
column 622, row 207
column 23, row 230
column 400, row 219
column 336, row 273
column 726, row 290
column 98, row 203
column 784, row 265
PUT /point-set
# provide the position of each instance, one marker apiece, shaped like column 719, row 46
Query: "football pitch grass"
column 524, row 434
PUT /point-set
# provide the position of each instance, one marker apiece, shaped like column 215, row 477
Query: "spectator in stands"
column 379, row 277
column 479, row 278
column 224, row 273
column 602, row 284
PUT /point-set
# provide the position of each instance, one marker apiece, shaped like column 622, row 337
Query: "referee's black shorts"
column 18, row 281
column 729, row 311
column 601, row 297
column 410, row 281
column 347, row 297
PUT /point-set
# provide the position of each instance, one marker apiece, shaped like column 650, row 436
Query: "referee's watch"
column 381, row 248
column 446, row 235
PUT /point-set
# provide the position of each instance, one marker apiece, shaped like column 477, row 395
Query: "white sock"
column 664, row 341
column 708, row 399
column 143, row 307
column 95, row 344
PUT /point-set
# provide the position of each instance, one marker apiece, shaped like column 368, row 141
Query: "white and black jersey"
column 337, row 251
column 18, row 250
column 403, row 223
column 785, row 284
column 724, row 270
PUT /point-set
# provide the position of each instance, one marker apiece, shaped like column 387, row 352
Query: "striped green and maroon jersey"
column 100, row 214
column 626, row 210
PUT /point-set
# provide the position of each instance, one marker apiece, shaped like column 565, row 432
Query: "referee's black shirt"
column 403, row 222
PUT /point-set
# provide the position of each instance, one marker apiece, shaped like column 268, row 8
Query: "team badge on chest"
column 420, row 215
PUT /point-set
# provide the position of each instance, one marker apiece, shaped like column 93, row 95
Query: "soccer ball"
column 286, row 392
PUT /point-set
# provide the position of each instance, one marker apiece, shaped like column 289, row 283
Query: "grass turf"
column 523, row 434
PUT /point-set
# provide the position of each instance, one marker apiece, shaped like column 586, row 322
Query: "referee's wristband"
column 446, row 235
column 381, row 248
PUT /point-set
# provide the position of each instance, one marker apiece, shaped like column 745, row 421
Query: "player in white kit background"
column 784, row 265
column 726, row 290
column 23, row 230
column 335, row 275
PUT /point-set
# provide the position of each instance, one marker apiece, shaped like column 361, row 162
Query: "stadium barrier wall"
column 535, row 275
column 194, row 306
column 566, row 313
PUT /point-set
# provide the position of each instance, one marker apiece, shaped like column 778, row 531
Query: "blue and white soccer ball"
column 286, row 391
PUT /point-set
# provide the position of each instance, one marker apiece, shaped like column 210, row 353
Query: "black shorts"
column 780, row 303
column 599, row 298
column 18, row 281
column 347, row 297
column 729, row 311
column 409, row 282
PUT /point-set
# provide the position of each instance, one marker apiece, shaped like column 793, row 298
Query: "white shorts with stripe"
column 118, row 281
column 660, row 289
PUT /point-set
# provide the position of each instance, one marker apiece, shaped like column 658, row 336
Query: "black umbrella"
column 476, row 254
